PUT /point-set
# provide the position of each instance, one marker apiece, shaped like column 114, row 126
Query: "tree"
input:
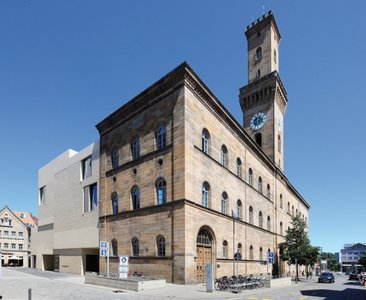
column 362, row 260
column 296, row 248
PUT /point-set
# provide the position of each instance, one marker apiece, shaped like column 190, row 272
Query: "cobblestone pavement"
column 15, row 282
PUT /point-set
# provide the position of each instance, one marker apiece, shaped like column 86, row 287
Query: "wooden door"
column 204, row 257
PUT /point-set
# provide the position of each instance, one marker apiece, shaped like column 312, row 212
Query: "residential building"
column 67, row 236
column 350, row 255
column 178, row 174
column 15, row 236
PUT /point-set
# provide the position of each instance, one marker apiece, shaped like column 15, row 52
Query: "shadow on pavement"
column 348, row 293
column 352, row 283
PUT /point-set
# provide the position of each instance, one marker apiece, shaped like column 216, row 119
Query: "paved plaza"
column 15, row 282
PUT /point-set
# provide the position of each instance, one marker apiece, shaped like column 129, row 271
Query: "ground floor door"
column 92, row 263
column 204, row 257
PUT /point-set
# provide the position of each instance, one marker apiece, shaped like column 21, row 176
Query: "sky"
column 66, row 65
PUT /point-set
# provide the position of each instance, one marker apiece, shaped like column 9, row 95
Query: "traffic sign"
column 270, row 257
column 123, row 266
column 103, row 248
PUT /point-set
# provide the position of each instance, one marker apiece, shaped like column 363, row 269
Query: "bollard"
column 29, row 294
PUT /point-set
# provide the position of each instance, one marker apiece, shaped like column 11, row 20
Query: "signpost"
column 270, row 259
column 104, row 252
column 123, row 266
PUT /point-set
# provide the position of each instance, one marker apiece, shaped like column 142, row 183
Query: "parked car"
column 353, row 276
column 326, row 277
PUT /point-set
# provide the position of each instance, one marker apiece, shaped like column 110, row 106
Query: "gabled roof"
column 27, row 218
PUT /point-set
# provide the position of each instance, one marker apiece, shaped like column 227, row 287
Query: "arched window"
column 115, row 159
column 114, row 247
column 224, row 203
column 135, row 247
column 251, row 256
column 161, row 137
column 224, row 249
column 281, row 228
column 160, row 242
column 135, row 197
column 269, row 223
column 205, row 194
column 136, row 149
column 224, row 156
column 260, row 253
column 258, row 139
column 250, row 177
column 240, row 249
column 293, row 210
column 203, row 238
column 239, row 209
column 279, row 143
column 268, row 191
column 258, row 53
column 205, row 141
column 260, row 185
column 250, row 214
column 288, row 207
column 260, row 219
column 296, row 212
column 161, row 191
column 281, row 201
column 238, row 167
column 114, row 199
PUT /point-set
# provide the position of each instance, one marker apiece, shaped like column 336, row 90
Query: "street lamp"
column 235, row 216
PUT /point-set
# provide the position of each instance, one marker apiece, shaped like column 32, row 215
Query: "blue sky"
column 66, row 65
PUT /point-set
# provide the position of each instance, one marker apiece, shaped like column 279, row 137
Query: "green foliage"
column 362, row 260
column 331, row 261
column 297, row 245
column 297, row 249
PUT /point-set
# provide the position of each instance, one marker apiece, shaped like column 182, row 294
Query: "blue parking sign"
column 270, row 257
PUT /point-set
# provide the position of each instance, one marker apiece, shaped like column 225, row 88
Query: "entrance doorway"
column 203, row 255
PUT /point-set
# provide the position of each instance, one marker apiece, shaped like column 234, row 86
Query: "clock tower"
column 264, row 99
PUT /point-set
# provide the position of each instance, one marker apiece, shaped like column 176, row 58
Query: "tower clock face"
column 258, row 120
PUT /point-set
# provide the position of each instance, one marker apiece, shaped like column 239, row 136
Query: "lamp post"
column 235, row 216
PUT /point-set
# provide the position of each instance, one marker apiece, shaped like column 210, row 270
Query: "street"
column 15, row 282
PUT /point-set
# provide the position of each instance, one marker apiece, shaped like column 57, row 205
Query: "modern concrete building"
column 183, row 184
column 15, row 237
column 350, row 255
column 67, row 236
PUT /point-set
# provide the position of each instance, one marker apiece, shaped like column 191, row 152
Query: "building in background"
column 183, row 184
column 67, row 236
column 15, row 237
column 350, row 255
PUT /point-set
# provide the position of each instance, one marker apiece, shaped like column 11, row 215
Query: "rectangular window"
column 86, row 166
column 6, row 246
column 13, row 246
column 6, row 233
column 20, row 235
column 42, row 195
column 13, row 234
column 90, row 197
column 20, row 246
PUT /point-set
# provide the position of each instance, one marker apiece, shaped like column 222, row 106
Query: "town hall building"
column 183, row 184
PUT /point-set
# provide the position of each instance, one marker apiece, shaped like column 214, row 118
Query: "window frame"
column 161, row 137
column 161, row 245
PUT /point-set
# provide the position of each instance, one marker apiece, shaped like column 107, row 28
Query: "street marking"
column 252, row 298
column 267, row 299
column 303, row 298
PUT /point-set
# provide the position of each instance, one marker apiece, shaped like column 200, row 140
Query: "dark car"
column 353, row 276
column 326, row 277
